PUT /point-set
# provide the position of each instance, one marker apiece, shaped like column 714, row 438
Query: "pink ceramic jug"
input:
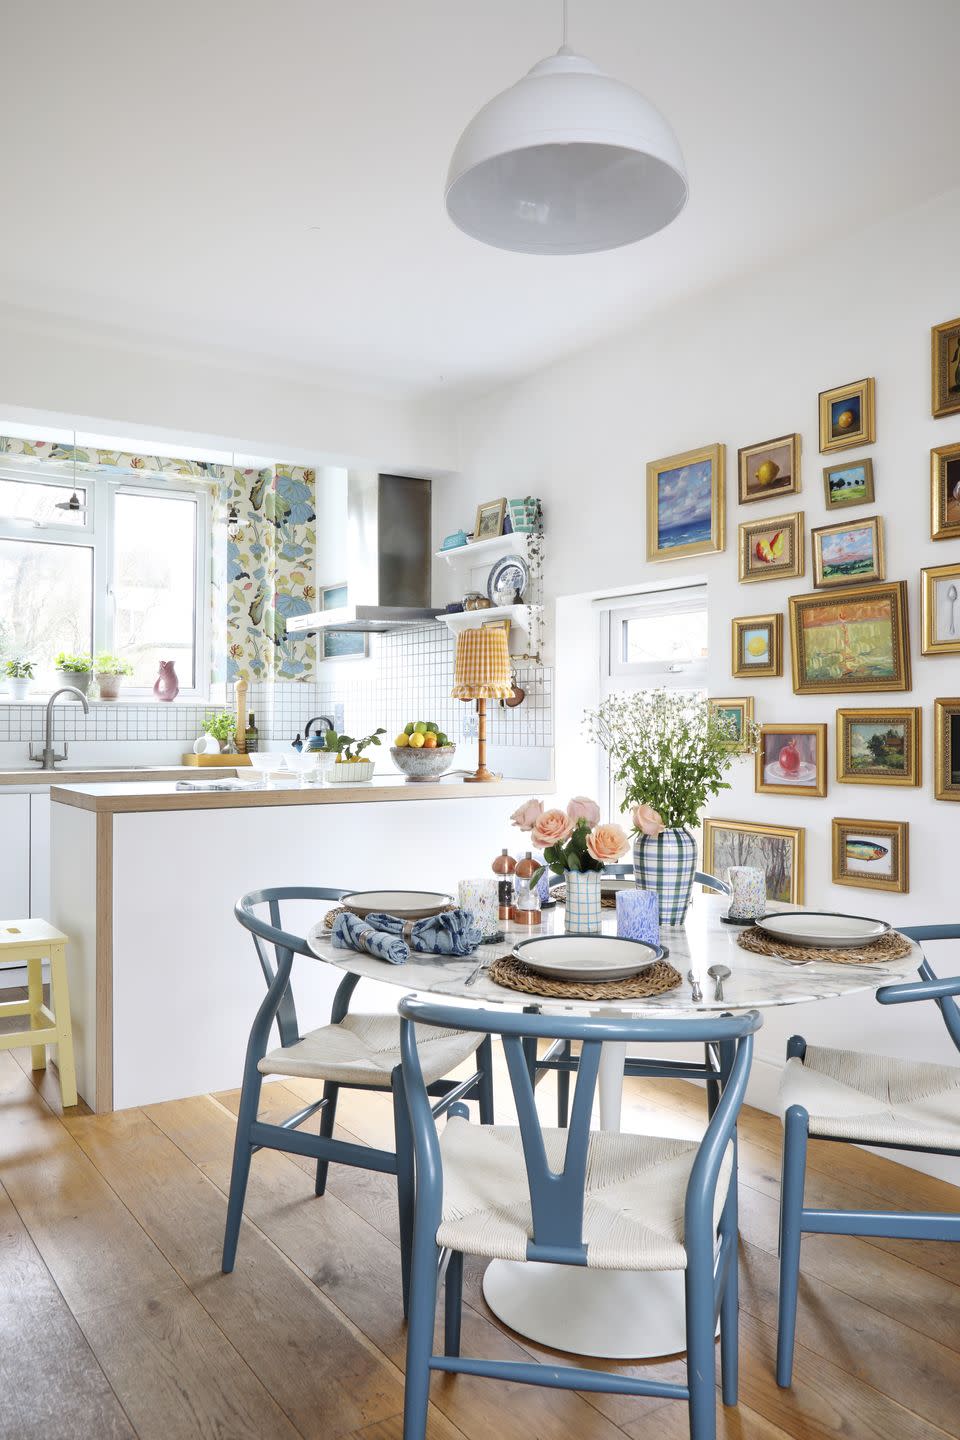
column 166, row 686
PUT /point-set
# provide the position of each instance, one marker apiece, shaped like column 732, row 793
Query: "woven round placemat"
column 608, row 899
column 891, row 946
column 514, row 975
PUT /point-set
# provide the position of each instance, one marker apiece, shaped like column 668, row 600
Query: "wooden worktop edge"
column 342, row 795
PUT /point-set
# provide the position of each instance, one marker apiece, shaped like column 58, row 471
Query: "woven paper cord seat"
column 364, row 1049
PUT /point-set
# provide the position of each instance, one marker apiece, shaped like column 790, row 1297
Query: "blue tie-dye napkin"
column 351, row 933
column 451, row 933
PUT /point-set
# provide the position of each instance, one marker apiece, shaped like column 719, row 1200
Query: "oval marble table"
column 607, row 1313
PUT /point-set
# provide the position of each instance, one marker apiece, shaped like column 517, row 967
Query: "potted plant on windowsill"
column 350, row 768
column 110, row 670
column 670, row 752
column 19, row 675
column 74, row 670
column 222, row 726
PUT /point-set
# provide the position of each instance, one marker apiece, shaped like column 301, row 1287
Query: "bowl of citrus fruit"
column 422, row 751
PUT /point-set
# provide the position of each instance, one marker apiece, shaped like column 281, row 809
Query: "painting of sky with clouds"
column 684, row 505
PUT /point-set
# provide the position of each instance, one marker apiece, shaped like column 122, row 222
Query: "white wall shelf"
column 477, row 552
column 521, row 617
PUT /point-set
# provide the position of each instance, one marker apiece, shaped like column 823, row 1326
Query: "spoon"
column 952, row 596
column 719, row 973
column 697, row 994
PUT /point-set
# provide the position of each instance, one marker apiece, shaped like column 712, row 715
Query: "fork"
column 477, row 971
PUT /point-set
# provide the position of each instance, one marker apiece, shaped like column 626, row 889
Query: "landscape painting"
column 853, row 640
column 769, row 469
column 775, row 849
column 845, row 554
column 879, row 747
column 848, row 484
column 685, row 504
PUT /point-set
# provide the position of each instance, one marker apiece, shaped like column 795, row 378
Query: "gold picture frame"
column 946, row 744
column 839, row 558
column 490, row 518
column 686, row 497
column 783, row 863
column 788, row 772
column 769, row 469
column 850, row 641
column 940, row 609
column 848, row 416
column 848, row 483
column 750, row 630
column 743, row 706
column 771, row 549
column 871, row 854
column 945, row 493
column 945, row 368
column 880, row 746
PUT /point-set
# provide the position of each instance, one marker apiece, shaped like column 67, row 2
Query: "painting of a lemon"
column 770, row 468
column 757, row 646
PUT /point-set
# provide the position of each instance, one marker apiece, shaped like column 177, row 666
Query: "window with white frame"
column 124, row 571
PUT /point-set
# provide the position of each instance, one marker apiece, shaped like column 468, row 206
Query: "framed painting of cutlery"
column 940, row 610
column 871, row 854
column 946, row 732
column 945, row 493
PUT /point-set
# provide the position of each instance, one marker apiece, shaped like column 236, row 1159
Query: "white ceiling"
column 266, row 178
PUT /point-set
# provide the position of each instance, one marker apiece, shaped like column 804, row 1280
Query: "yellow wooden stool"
column 31, row 942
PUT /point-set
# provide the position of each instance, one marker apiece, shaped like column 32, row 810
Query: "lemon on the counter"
column 402, row 740
column 417, row 740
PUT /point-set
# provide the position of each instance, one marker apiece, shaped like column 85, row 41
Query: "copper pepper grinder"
column 504, row 867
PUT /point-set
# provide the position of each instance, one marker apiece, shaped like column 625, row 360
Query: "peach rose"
column 582, row 808
column 528, row 814
column 646, row 820
column 606, row 843
column 551, row 828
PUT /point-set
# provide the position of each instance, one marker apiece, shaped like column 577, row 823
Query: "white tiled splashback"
column 107, row 721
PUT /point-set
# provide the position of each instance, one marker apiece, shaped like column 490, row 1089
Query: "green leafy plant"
column 349, row 750
column 112, row 665
column 19, row 669
column 74, row 664
column 668, row 750
column 572, row 854
column 222, row 726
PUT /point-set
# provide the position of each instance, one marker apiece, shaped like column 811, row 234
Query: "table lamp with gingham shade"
column 482, row 672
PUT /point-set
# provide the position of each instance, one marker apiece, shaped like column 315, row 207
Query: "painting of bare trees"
column 775, row 849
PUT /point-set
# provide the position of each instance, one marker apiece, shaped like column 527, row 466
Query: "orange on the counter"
column 429, row 741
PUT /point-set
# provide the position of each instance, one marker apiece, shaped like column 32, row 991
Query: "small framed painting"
column 769, row 469
column 850, row 484
column 757, row 645
column 775, row 849
column 940, row 610
column 945, row 493
column 879, row 747
column 489, row 521
column 736, row 714
column 850, row 640
column 771, row 549
column 792, row 760
column 947, row 745
column 847, row 553
column 871, row 854
column 945, row 368
column 685, row 504
column 847, row 416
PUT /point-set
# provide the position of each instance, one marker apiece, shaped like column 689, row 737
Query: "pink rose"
column 581, row 808
column 646, row 820
column 528, row 814
column 550, row 828
column 606, row 843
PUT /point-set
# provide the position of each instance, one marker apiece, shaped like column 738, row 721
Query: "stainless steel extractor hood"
column 385, row 545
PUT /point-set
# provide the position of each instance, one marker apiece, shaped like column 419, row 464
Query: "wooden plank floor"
column 116, row 1322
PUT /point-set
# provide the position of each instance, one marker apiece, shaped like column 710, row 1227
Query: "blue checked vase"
column 666, row 863
column 582, row 912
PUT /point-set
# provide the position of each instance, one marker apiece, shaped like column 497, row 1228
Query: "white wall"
column 740, row 366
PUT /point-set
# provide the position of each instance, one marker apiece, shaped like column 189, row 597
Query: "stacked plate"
column 822, row 928
column 405, row 904
column 587, row 957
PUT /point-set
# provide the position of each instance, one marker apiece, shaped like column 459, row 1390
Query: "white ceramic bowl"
column 343, row 773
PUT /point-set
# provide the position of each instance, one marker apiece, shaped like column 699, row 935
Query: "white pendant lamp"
column 565, row 162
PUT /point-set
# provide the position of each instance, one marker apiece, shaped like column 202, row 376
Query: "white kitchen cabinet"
column 40, row 856
column 14, row 857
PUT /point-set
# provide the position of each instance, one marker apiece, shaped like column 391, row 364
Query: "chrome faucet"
column 49, row 758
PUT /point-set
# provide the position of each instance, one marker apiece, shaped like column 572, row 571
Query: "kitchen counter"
column 106, row 773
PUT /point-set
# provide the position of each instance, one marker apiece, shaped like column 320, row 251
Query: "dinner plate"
column 405, row 904
column 820, row 927
column 587, row 957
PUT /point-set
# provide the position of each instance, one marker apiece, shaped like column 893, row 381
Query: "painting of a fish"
column 865, row 850
column 871, row 855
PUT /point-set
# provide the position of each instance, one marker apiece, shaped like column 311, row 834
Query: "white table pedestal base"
column 609, row 1314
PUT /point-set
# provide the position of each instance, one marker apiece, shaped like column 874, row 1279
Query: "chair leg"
column 485, row 1088
column 730, row 1301
column 423, row 1313
column 405, row 1181
column 701, row 1355
column 327, row 1116
column 795, row 1126
column 242, row 1155
column 38, row 1053
column 452, row 1303
column 563, row 1088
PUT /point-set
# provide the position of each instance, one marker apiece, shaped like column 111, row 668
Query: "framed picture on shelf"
column 945, row 493
column 737, row 711
column 340, row 644
column 771, row 549
column 490, row 518
column 848, row 553
column 945, row 368
column 946, row 730
column 850, row 640
column 792, row 760
column 849, row 484
column 847, row 416
column 769, row 469
column 776, row 849
column 757, row 642
column 879, row 746
column 871, row 854
column 940, row 609
column 685, row 504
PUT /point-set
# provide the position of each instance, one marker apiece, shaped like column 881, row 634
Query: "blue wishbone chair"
column 863, row 1099
column 356, row 1052
column 480, row 1192
column 560, row 1056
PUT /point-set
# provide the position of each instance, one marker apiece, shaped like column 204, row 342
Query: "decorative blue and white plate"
column 508, row 578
